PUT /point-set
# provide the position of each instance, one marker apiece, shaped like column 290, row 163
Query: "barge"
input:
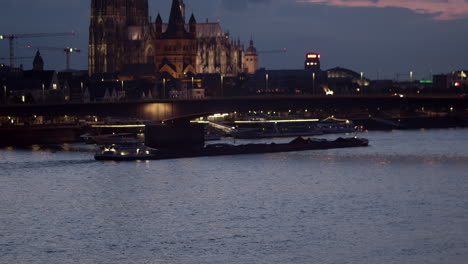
column 298, row 144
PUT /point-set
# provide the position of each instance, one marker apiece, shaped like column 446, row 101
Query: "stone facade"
column 121, row 33
column 251, row 59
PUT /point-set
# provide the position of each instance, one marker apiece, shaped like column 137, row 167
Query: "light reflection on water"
column 401, row 200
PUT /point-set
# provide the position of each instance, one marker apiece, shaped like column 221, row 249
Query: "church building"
column 121, row 34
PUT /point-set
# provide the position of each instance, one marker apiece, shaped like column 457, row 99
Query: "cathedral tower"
column 108, row 32
column 137, row 13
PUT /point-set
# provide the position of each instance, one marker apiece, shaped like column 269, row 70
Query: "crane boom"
column 17, row 58
column 273, row 51
column 12, row 37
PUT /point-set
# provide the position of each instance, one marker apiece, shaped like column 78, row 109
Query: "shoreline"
column 61, row 134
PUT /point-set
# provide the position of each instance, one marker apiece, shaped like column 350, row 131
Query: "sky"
column 382, row 38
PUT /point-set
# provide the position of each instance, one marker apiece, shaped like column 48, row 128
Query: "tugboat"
column 125, row 152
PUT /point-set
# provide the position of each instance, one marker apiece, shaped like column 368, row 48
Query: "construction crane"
column 409, row 74
column 17, row 58
column 67, row 51
column 12, row 37
column 273, row 51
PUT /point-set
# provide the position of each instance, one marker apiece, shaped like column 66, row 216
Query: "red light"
column 457, row 84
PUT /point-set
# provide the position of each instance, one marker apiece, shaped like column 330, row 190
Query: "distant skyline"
column 381, row 38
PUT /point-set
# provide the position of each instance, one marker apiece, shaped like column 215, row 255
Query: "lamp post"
column 313, row 82
column 266, row 82
column 222, row 85
column 43, row 93
column 164, row 88
column 5, row 90
column 362, row 83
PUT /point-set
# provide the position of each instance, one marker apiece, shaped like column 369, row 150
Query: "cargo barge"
column 139, row 152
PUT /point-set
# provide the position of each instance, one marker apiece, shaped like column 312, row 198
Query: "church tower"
column 176, row 52
column 38, row 63
column 251, row 59
column 109, row 32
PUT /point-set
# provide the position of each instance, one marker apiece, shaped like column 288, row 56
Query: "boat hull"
column 223, row 149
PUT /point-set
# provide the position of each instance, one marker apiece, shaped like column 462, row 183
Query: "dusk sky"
column 378, row 37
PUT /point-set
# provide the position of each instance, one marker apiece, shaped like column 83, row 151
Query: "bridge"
column 161, row 110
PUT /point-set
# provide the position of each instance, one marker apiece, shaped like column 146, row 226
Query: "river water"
column 404, row 199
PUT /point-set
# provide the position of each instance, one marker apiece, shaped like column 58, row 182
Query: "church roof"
column 209, row 30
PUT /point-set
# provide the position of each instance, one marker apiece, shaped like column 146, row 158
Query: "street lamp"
column 266, row 78
column 313, row 82
column 411, row 76
column 43, row 93
column 5, row 90
column 164, row 88
column 222, row 85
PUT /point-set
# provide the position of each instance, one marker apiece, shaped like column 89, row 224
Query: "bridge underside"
column 347, row 107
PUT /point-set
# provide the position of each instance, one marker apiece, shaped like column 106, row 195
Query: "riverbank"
column 26, row 136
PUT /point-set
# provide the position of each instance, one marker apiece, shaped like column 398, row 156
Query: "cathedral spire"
column 176, row 26
column 176, row 16
column 182, row 8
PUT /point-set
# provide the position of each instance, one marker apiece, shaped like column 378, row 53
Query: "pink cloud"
column 440, row 9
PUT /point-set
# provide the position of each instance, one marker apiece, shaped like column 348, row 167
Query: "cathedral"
column 121, row 34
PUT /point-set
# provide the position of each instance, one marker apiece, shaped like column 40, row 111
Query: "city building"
column 121, row 34
column 312, row 62
column 455, row 81
column 345, row 81
column 458, row 79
